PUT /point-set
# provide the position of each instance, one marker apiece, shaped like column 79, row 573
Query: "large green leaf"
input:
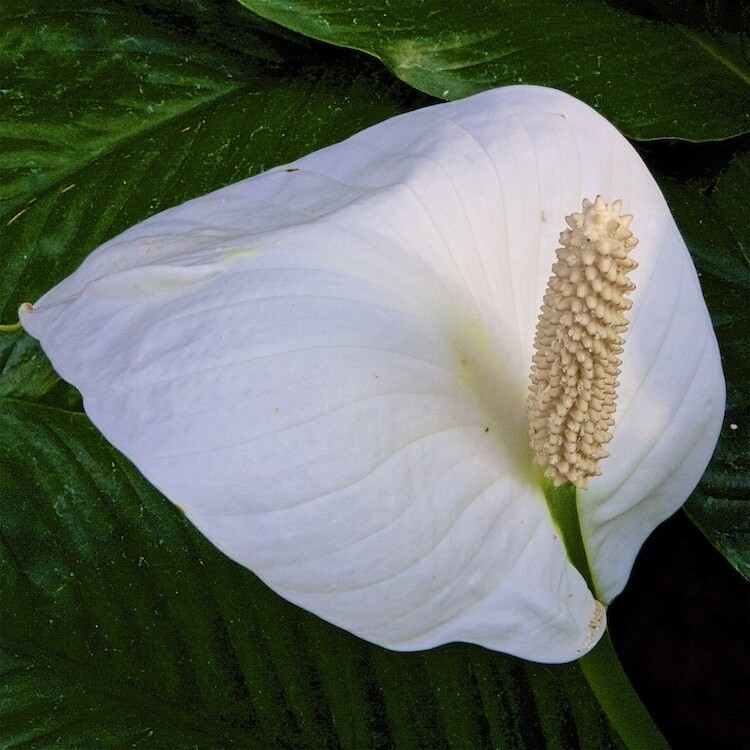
column 122, row 626
column 652, row 79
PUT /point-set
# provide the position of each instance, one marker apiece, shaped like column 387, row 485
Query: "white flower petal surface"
column 327, row 365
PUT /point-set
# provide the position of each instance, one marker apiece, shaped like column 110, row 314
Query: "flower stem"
column 618, row 699
column 600, row 666
column 10, row 327
column 563, row 507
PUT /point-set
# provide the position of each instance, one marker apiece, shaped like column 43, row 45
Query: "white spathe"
column 326, row 366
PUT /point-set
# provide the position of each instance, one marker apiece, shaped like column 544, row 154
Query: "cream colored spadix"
column 327, row 366
column 579, row 335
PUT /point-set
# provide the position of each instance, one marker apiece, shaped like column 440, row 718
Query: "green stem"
column 10, row 328
column 618, row 698
column 563, row 506
column 601, row 667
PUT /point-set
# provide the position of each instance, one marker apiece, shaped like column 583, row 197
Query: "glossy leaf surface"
column 652, row 79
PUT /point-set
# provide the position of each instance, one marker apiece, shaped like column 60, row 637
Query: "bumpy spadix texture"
column 327, row 367
column 578, row 340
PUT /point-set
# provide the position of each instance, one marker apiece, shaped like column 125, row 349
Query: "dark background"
column 681, row 630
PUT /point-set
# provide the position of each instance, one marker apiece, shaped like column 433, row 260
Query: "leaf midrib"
column 710, row 50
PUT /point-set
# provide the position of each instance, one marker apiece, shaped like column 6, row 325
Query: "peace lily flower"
column 327, row 367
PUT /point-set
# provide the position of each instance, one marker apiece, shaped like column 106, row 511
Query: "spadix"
column 327, row 367
column 578, row 340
